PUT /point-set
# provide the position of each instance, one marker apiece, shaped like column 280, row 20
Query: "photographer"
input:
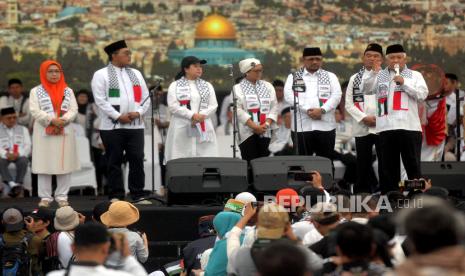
column 92, row 245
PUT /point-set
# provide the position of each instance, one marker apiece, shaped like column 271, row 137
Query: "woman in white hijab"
column 257, row 110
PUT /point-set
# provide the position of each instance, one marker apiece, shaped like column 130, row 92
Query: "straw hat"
column 66, row 219
column 120, row 214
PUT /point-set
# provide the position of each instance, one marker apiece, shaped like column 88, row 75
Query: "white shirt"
column 227, row 100
column 9, row 101
column 415, row 90
column 309, row 99
column 312, row 237
column 100, row 85
column 301, row 228
column 281, row 139
column 65, row 252
column 359, row 129
column 243, row 115
column 344, row 137
column 130, row 267
column 451, row 102
column 24, row 149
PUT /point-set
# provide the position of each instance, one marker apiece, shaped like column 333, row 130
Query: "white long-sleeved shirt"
column 24, row 142
column 359, row 129
column 21, row 106
column 243, row 115
column 310, row 99
column 281, row 139
column 415, row 90
column 100, row 86
column 130, row 267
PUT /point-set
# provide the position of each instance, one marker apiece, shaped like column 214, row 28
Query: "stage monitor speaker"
column 191, row 180
column 449, row 175
column 271, row 174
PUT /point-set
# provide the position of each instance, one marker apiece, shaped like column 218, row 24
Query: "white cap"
column 246, row 197
column 247, row 64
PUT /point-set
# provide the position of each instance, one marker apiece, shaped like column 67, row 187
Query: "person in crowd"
column 279, row 89
column 273, row 225
column 19, row 101
column 364, row 214
column 40, row 222
column 362, row 109
column 226, row 129
column 53, row 107
column 398, row 91
column 435, row 237
column 119, row 216
column 192, row 253
column 218, row 260
column 451, row 89
column 283, row 258
column 325, row 218
column 122, row 98
column 316, row 126
column 257, row 110
column 354, row 245
column 281, row 144
column 91, row 248
column 192, row 103
column 15, row 147
column 87, row 111
column 99, row 209
column 17, row 241
column 66, row 220
column 343, row 148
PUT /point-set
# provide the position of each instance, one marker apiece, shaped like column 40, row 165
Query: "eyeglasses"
column 257, row 70
column 54, row 72
column 126, row 53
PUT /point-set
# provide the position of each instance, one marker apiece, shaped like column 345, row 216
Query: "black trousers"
column 316, row 142
column 395, row 144
column 131, row 142
column 366, row 178
column 254, row 147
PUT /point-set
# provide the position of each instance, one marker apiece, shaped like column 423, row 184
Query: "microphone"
column 298, row 84
column 397, row 70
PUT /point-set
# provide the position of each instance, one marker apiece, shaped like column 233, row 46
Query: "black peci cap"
column 374, row 47
column 115, row 46
column 394, row 49
column 312, row 51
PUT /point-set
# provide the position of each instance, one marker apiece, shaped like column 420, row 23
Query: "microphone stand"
column 234, row 118
column 457, row 120
column 296, row 136
column 152, row 130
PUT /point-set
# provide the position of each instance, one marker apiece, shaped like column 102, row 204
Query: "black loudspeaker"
column 194, row 180
column 271, row 174
column 449, row 175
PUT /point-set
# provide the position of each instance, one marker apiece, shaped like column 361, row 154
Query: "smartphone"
column 304, row 176
column 254, row 204
column 417, row 184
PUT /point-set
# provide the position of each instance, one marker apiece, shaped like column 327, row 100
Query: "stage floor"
column 168, row 228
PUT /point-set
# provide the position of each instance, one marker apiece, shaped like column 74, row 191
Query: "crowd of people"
column 415, row 233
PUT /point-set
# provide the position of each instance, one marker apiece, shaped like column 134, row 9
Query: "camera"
column 303, row 176
column 415, row 184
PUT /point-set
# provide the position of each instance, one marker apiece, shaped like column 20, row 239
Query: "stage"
column 168, row 228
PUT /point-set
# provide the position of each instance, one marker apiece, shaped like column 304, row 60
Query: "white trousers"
column 44, row 186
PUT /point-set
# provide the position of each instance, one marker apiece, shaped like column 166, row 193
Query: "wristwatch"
column 323, row 111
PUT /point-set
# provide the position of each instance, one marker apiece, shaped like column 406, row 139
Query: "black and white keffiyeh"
column 202, row 87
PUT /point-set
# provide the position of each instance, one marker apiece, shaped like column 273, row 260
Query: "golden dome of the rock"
column 215, row 27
